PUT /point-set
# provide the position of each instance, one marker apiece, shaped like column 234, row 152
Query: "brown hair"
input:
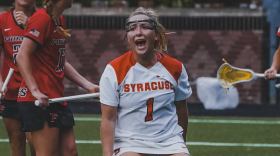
column 12, row 7
column 48, row 4
column 161, row 43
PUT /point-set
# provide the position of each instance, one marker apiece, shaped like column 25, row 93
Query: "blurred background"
column 241, row 31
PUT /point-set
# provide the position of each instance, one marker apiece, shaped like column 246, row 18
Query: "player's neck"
column 28, row 11
column 147, row 61
column 58, row 10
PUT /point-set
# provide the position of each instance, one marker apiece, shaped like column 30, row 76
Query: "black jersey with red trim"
column 48, row 59
column 11, row 36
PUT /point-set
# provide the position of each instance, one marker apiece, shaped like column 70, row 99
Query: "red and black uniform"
column 47, row 63
column 11, row 36
column 48, row 59
column 278, row 32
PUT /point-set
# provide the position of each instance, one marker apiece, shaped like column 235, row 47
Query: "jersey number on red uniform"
column 61, row 60
column 150, row 105
column 15, row 48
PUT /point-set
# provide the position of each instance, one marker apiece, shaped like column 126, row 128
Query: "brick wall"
column 201, row 52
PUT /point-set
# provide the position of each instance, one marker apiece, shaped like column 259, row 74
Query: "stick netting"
column 228, row 76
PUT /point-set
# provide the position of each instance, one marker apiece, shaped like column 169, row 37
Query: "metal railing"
column 169, row 22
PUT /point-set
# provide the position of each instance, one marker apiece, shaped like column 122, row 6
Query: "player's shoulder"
column 5, row 15
column 124, row 60
column 40, row 14
column 62, row 20
column 173, row 66
column 122, row 65
column 171, row 62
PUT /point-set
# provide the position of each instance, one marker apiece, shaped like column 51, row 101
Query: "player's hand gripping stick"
column 6, row 81
column 70, row 98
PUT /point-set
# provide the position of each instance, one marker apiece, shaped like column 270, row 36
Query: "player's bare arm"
column 107, row 130
column 1, row 81
column 71, row 74
column 270, row 73
column 27, row 48
column 183, row 115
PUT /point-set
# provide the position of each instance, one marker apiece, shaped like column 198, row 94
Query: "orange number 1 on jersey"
column 150, row 104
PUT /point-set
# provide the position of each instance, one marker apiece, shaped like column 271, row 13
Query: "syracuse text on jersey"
column 148, row 86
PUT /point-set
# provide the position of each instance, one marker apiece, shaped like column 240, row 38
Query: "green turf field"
column 207, row 136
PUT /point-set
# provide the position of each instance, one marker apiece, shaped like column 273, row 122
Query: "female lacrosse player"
column 141, row 92
column 270, row 73
column 12, row 24
column 43, row 66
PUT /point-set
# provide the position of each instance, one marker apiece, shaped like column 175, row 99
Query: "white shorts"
column 172, row 145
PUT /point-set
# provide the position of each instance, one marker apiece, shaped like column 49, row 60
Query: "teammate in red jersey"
column 43, row 66
column 270, row 73
column 12, row 24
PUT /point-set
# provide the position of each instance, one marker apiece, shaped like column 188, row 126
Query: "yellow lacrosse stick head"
column 228, row 75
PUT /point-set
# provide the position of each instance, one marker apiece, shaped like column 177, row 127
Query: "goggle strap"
column 154, row 24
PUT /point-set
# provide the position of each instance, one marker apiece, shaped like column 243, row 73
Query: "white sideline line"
column 188, row 143
column 233, row 121
column 87, row 119
column 200, row 143
column 88, row 141
column 202, row 121
column 199, row 121
column 232, row 144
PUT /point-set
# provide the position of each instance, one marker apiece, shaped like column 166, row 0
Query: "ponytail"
column 63, row 32
column 48, row 4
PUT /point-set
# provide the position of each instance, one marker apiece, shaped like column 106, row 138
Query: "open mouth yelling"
column 140, row 43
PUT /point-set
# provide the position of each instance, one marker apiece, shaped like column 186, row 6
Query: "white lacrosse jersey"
column 145, row 97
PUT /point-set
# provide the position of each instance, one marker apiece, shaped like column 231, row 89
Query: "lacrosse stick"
column 6, row 81
column 229, row 75
column 70, row 98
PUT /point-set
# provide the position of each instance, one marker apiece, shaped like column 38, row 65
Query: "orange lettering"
column 133, row 87
column 162, row 85
column 171, row 87
column 153, row 86
column 118, row 151
column 147, row 86
column 126, row 88
column 167, row 85
column 150, row 106
column 139, row 87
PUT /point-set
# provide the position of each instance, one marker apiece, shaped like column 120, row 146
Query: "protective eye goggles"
column 152, row 24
